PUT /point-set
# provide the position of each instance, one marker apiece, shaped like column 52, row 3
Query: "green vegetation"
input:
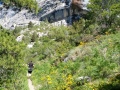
column 90, row 47
column 105, row 14
column 12, row 67
column 98, row 60
column 28, row 4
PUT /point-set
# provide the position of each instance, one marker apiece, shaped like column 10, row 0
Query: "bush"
column 113, row 84
column 30, row 24
column 11, row 66
column 29, row 4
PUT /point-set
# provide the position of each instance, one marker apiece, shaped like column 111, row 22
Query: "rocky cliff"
column 60, row 11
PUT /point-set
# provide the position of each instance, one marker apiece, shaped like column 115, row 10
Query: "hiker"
column 30, row 67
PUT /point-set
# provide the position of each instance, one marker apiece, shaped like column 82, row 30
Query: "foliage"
column 76, row 32
column 11, row 66
column 113, row 84
column 29, row 4
column 105, row 14
column 90, row 47
column 34, row 37
column 56, row 66
column 56, row 74
column 30, row 24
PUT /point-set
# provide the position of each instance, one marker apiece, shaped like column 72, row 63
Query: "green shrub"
column 11, row 66
column 30, row 25
column 113, row 84
column 29, row 4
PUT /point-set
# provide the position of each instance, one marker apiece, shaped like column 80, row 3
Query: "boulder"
column 82, row 80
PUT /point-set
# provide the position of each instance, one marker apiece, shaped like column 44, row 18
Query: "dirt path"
column 30, row 85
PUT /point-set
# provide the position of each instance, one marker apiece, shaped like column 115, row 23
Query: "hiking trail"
column 30, row 85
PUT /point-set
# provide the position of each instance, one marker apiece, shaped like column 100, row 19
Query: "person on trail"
column 30, row 67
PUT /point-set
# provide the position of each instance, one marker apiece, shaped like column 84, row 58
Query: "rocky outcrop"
column 9, row 18
column 63, row 9
column 53, row 10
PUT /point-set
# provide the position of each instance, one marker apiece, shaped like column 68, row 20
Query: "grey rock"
column 12, row 17
column 82, row 80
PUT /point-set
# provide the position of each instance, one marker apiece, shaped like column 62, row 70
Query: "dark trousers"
column 30, row 70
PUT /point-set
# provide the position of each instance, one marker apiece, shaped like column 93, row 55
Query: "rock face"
column 69, row 10
column 9, row 18
column 61, row 11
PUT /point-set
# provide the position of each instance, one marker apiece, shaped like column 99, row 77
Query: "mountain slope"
column 98, row 60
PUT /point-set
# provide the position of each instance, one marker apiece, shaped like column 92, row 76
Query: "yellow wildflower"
column 49, row 79
column 69, row 83
column 82, row 43
column 49, row 82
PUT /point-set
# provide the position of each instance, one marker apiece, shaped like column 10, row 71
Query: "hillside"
column 86, row 67
column 59, row 63
column 82, row 56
